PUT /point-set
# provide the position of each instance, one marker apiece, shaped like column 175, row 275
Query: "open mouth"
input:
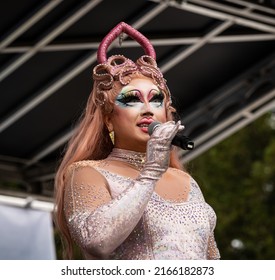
column 143, row 125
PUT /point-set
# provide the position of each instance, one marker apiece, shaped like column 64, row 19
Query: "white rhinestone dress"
column 165, row 230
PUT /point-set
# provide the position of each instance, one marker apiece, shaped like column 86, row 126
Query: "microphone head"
column 152, row 126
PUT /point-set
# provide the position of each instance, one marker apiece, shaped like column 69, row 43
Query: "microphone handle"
column 180, row 140
column 183, row 142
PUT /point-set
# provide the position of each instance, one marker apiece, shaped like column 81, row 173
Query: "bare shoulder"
column 178, row 172
column 174, row 185
column 85, row 169
column 86, row 163
column 184, row 175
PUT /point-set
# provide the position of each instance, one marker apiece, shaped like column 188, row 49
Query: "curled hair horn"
column 115, row 32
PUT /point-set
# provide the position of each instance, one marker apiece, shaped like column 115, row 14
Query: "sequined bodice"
column 164, row 229
column 167, row 230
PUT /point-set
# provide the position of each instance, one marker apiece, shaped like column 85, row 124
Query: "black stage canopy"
column 217, row 56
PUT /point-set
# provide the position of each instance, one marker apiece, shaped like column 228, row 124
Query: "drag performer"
column 120, row 192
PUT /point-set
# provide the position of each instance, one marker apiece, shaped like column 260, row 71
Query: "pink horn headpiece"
column 115, row 32
column 118, row 68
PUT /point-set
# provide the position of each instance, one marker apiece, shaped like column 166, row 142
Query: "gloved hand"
column 158, row 150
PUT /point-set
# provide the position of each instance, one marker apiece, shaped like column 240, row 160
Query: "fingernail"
column 181, row 127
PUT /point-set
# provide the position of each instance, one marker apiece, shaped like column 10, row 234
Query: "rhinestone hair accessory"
column 118, row 68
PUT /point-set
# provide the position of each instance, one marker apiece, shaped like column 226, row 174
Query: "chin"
column 140, row 142
column 145, row 137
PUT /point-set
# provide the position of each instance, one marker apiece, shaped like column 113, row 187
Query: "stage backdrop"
column 25, row 234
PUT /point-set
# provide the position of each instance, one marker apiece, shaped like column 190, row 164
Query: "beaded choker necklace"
column 137, row 159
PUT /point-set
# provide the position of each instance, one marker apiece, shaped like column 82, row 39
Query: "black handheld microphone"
column 179, row 140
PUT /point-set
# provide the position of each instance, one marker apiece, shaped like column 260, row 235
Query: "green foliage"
column 237, row 177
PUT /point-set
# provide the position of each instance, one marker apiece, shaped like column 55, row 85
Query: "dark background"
column 217, row 56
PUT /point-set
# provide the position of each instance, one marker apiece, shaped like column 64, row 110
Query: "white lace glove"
column 158, row 150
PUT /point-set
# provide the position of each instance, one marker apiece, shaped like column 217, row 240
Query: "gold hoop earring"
column 112, row 136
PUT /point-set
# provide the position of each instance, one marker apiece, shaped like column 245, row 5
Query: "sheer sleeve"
column 213, row 251
column 98, row 223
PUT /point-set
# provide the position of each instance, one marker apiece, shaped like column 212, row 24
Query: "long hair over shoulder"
column 90, row 140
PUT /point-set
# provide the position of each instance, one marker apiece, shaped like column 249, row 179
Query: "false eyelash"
column 128, row 99
column 132, row 96
column 129, row 96
column 157, row 96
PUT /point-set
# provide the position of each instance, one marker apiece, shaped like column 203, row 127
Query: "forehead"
column 140, row 84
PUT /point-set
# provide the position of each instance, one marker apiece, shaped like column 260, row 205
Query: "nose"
column 146, row 110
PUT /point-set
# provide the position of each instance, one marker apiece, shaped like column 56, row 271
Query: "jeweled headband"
column 118, row 67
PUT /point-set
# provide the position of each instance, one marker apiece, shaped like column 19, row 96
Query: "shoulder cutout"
column 86, row 170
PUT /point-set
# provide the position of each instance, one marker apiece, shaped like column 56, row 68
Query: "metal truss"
column 217, row 128
column 12, row 167
column 231, row 108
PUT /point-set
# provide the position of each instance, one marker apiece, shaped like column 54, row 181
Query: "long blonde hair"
column 91, row 138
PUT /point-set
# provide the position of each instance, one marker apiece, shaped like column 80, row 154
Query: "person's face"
column 136, row 106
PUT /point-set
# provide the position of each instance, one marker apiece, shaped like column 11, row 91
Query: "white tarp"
column 26, row 234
